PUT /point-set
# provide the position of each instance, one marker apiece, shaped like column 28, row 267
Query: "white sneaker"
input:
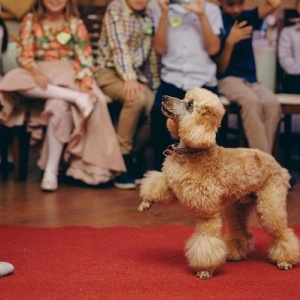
column 124, row 181
column 49, row 182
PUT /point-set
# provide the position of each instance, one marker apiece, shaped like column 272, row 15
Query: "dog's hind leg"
column 205, row 250
column 238, row 238
column 271, row 209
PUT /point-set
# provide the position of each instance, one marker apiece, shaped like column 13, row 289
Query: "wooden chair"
column 233, row 136
column 14, row 141
column 92, row 16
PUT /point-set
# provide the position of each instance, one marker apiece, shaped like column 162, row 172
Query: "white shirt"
column 289, row 49
column 186, row 64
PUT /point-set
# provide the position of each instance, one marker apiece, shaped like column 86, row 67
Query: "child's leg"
column 272, row 110
column 237, row 90
column 143, row 132
column 49, row 182
column 131, row 111
column 82, row 100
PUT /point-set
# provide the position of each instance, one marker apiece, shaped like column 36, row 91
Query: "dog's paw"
column 235, row 257
column 144, row 206
column 284, row 266
column 204, row 274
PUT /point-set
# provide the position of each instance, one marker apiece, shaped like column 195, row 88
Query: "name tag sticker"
column 175, row 21
column 63, row 38
column 147, row 28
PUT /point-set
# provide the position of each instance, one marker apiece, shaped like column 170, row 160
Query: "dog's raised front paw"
column 204, row 274
column 144, row 206
column 284, row 266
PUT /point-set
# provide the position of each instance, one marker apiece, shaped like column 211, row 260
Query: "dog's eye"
column 190, row 106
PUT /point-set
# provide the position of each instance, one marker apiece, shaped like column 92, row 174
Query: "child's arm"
column 26, row 54
column 160, row 37
column 26, row 51
column 237, row 33
column 286, row 53
column 212, row 41
column 83, row 60
column 118, row 43
column 268, row 7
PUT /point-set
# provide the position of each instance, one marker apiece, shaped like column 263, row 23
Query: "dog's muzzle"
column 165, row 107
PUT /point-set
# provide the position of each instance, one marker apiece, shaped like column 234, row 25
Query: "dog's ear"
column 173, row 128
column 199, row 130
column 213, row 112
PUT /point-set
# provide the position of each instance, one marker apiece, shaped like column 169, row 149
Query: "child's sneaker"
column 124, row 181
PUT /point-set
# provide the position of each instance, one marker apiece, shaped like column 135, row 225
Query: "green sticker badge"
column 148, row 28
column 175, row 21
column 63, row 38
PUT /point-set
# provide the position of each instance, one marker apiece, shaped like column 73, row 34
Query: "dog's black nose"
column 165, row 99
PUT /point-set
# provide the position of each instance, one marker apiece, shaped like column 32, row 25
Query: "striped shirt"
column 125, row 44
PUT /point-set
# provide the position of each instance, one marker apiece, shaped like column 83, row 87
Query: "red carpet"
column 130, row 263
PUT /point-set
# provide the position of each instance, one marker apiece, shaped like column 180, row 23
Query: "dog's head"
column 195, row 119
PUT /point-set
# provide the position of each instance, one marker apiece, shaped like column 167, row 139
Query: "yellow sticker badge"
column 63, row 38
column 148, row 28
column 175, row 21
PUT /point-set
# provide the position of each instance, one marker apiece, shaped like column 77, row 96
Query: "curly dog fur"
column 219, row 185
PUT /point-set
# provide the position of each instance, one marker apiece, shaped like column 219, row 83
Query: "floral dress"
column 38, row 43
column 65, row 56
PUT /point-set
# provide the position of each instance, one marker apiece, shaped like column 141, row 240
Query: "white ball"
column 5, row 268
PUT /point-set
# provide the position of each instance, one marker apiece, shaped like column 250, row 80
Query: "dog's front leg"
column 154, row 189
column 205, row 249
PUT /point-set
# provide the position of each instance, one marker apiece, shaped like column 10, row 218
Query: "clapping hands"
column 195, row 6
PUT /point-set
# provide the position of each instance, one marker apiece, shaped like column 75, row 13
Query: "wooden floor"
column 23, row 203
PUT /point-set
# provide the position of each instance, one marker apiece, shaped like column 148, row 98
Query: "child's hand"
column 274, row 3
column 84, row 89
column 132, row 88
column 40, row 78
column 164, row 5
column 195, row 6
column 239, row 31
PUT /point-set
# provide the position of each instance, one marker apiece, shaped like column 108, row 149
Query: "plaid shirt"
column 125, row 44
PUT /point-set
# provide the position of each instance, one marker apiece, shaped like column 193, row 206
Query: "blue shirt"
column 242, row 62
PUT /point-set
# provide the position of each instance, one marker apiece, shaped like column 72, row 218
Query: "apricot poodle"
column 219, row 184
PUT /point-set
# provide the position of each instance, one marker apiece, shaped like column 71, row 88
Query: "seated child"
column 187, row 37
column 289, row 55
column 260, row 109
column 125, row 51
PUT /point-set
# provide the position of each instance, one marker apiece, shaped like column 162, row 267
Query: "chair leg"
column 4, row 145
column 276, row 146
column 222, row 135
column 20, row 152
column 242, row 137
column 287, row 138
